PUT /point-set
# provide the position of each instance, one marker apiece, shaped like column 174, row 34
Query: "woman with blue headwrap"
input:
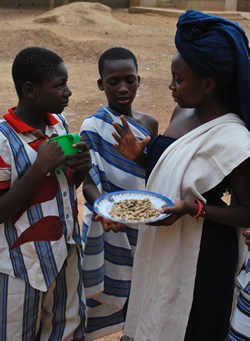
column 185, row 265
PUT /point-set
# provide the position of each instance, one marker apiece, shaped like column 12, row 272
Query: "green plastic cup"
column 66, row 141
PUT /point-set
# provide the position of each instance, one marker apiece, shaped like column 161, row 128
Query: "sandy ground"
column 80, row 32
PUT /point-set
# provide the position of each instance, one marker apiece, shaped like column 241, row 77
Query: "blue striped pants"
column 240, row 322
column 58, row 314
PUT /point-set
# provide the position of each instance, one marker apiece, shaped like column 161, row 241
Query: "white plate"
column 103, row 204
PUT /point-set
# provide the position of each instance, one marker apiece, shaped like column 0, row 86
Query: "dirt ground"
column 80, row 32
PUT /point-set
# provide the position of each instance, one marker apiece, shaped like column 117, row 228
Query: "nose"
column 171, row 85
column 123, row 88
column 67, row 91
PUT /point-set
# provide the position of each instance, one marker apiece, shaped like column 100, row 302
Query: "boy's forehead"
column 118, row 64
column 60, row 72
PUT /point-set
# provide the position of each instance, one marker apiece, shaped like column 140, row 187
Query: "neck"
column 31, row 117
column 210, row 110
column 124, row 111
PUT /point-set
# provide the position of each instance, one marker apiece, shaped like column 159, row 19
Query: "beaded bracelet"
column 201, row 210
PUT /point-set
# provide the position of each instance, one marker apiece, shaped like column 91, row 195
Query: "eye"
column 112, row 81
column 60, row 84
column 176, row 79
column 131, row 81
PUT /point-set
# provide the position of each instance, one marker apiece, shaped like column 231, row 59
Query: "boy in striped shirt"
column 108, row 256
column 40, row 246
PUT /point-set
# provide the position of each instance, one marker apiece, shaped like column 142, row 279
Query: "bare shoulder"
column 148, row 121
column 178, row 111
column 181, row 122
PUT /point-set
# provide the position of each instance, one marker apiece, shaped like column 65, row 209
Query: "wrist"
column 140, row 160
column 198, row 209
column 39, row 169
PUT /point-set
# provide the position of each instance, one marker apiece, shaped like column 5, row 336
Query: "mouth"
column 124, row 99
column 175, row 98
column 65, row 104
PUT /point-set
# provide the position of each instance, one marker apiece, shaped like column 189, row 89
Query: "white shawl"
column 166, row 257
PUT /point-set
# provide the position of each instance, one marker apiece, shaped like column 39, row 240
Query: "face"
column 119, row 82
column 53, row 94
column 188, row 89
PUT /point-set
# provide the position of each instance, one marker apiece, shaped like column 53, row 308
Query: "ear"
column 209, row 85
column 138, row 80
column 29, row 90
column 100, row 84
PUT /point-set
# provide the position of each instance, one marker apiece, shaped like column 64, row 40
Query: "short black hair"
column 115, row 53
column 33, row 64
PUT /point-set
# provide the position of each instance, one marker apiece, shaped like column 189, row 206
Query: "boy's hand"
column 49, row 156
column 127, row 144
column 80, row 161
column 110, row 225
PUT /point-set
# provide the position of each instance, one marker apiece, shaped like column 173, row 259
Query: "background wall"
column 211, row 5
column 215, row 5
column 45, row 3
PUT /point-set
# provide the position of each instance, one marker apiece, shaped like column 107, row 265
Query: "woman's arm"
column 237, row 214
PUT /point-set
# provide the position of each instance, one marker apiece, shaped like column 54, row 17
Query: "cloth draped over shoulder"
column 108, row 257
column 166, row 257
column 217, row 47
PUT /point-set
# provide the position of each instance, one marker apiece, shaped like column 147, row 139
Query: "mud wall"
column 204, row 5
column 46, row 3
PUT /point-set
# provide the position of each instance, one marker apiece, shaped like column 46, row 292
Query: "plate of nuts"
column 132, row 207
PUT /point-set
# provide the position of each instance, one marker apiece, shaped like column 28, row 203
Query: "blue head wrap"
column 217, row 47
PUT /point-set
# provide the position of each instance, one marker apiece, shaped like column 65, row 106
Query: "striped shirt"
column 33, row 242
column 240, row 322
column 108, row 257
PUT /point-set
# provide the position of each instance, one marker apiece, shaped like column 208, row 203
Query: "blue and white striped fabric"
column 36, row 262
column 108, row 257
column 240, row 322
column 57, row 314
column 40, row 277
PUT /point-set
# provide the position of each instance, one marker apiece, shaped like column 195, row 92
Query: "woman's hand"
column 127, row 144
column 179, row 209
column 110, row 225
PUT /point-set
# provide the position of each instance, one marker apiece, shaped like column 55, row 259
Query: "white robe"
column 166, row 257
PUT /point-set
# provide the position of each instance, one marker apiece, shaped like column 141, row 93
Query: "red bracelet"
column 201, row 210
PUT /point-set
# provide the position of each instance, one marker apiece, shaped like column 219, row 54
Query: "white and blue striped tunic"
column 40, row 246
column 25, row 254
column 108, row 257
column 240, row 322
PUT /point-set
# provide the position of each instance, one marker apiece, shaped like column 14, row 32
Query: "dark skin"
column 52, row 95
column 246, row 234
column 120, row 82
column 199, row 101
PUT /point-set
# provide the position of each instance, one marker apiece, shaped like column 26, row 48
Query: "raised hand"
column 127, row 144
